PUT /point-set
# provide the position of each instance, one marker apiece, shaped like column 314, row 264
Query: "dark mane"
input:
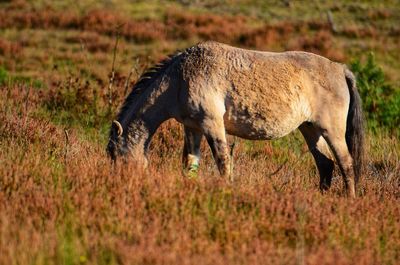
column 145, row 80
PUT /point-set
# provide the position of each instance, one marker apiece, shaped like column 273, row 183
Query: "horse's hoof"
column 193, row 171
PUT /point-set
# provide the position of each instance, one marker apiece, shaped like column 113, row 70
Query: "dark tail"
column 355, row 125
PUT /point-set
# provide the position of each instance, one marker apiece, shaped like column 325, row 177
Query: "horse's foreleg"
column 214, row 131
column 321, row 153
column 191, row 151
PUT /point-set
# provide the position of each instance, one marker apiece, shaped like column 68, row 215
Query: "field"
column 61, row 202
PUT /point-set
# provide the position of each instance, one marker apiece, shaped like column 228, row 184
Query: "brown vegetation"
column 91, row 41
column 10, row 49
column 62, row 202
column 101, row 21
column 205, row 26
column 320, row 43
column 176, row 25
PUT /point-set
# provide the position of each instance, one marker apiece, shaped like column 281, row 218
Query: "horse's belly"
column 254, row 124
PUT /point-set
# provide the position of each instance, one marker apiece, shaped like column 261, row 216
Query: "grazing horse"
column 214, row 89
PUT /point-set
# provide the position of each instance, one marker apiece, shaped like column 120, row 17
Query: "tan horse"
column 214, row 89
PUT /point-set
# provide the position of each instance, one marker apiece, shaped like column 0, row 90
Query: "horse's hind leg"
column 334, row 132
column 191, row 151
column 321, row 153
column 335, row 136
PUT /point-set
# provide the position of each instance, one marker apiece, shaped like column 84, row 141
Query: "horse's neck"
column 151, row 109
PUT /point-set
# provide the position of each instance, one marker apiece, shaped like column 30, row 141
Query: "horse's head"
column 116, row 144
column 122, row 143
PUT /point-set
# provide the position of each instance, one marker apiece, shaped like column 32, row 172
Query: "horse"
column 214, row 89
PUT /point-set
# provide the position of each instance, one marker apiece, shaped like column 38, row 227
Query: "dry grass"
column 61, row 202
column 176, row 25
column 69, row 34
column 9, row 49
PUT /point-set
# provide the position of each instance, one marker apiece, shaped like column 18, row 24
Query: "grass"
column 62, row 203
column 70, row 207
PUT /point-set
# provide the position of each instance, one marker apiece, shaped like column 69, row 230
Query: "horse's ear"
column 118, row 125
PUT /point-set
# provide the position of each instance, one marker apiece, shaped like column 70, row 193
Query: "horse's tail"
column 355, row 125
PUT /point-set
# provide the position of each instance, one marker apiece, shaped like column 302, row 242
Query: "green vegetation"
column 3, row 76
column 381, row 101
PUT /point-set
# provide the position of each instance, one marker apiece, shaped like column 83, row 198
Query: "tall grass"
column 62, row 203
